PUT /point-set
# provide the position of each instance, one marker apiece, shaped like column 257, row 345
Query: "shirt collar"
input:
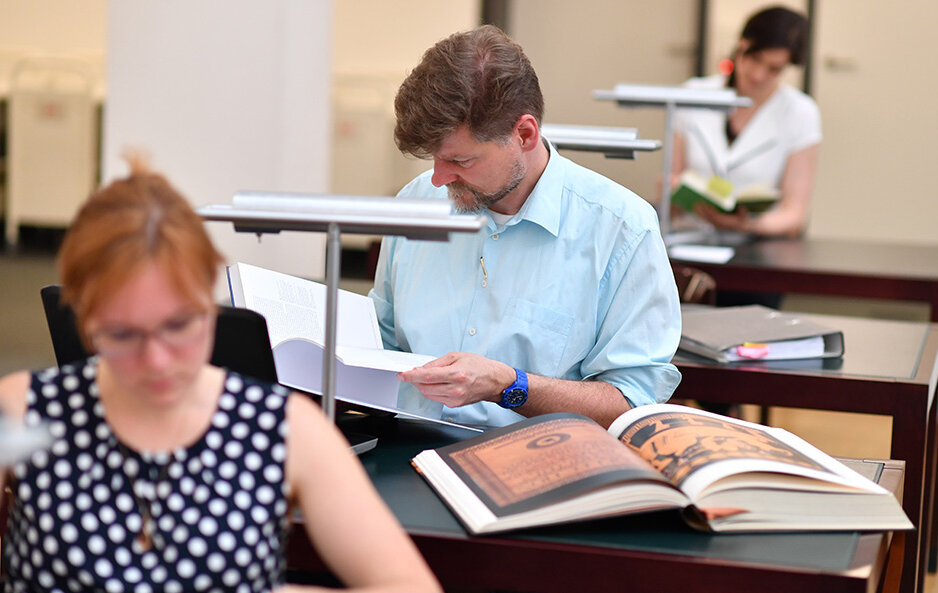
column 543, row 204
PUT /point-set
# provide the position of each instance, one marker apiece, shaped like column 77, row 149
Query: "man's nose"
column 443, row 173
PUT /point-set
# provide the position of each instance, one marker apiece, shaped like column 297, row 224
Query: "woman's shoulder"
column 13, row 388
column 302, row 409
column 794, row 98
column 46, row 390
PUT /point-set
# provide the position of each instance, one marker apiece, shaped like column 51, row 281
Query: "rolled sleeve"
column 641, row 328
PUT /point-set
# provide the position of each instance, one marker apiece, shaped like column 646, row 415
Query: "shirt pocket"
column 534, row 337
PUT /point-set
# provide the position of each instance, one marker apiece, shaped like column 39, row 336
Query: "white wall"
column 370, row 60
column 381, row 37
column 875, row 83
column 53, row 25
column 225, row 96
column 577, row 47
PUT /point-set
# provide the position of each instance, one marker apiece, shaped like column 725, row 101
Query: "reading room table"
column 829, row 267
column 655, row 552
column 889, row 368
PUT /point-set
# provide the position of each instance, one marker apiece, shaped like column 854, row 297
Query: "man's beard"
column 469, row 200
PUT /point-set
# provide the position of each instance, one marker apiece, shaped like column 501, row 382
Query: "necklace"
column 147, row 524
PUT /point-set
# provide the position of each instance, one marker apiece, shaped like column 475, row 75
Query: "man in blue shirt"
column 564, row 302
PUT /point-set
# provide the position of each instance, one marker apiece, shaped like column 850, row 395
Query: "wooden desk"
column 648, row 553
column 889, row 368
column 826, row 267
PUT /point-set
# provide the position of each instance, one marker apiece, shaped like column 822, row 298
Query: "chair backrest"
column 694, row 286
column 242, row 342
column 61, row 321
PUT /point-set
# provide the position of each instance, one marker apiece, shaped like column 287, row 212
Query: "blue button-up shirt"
column 576, row 285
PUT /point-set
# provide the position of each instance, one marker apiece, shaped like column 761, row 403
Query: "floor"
column 25, row 344
column 25, row 337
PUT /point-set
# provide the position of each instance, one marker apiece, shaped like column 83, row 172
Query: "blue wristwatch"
column 517, row 392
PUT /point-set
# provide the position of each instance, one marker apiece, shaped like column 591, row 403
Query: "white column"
column 225, row 96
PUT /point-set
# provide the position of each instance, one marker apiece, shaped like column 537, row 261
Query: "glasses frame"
column 140, row 337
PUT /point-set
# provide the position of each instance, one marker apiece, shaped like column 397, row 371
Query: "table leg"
column 931, row 519
column 909, row 444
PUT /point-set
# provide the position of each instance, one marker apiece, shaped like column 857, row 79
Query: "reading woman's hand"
column 733, row 221
column 461, row 378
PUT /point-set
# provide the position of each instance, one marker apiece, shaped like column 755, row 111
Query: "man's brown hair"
column 480, row 78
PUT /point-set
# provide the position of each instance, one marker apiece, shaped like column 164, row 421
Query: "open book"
column 754, row 332
column 366, row 373
column 724, row 474
column 720, row 193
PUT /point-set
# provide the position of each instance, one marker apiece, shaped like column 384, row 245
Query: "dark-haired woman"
column 773, row 143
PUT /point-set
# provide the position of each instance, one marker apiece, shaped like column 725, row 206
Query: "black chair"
column 62, row 329
column 242, row 343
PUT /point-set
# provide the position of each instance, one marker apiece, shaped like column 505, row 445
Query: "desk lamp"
column 619, row 143
column 271, row 212
column 671, row 98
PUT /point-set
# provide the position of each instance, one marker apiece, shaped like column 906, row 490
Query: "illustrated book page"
column 694, row 449
column 723, row 474
column 548, row 469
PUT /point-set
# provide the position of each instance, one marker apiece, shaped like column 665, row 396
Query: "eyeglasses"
column 175, row 333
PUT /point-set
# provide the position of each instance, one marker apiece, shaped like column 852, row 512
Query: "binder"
column 754, row 332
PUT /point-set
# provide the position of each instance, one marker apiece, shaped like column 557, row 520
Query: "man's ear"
column 528, row 132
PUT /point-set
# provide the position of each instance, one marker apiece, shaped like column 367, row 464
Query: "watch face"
column 514, row 398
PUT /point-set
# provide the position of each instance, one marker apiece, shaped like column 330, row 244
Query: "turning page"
column 296, row 307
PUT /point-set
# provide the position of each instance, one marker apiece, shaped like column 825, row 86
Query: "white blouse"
column 786, row 123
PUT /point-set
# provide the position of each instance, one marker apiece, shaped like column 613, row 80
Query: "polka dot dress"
column 215, row 512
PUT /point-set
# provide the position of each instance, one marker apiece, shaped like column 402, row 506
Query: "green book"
column 721, row 194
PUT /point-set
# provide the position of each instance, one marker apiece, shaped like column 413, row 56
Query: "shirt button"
column 472, row 331
column 495, row 237
column 485, row 283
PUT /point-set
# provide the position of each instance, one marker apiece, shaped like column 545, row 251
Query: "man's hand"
column 460, row 378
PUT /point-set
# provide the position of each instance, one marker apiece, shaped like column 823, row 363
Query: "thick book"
column 754, row 332
column 721, row 194
column 294, row 308
column 720, row 473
